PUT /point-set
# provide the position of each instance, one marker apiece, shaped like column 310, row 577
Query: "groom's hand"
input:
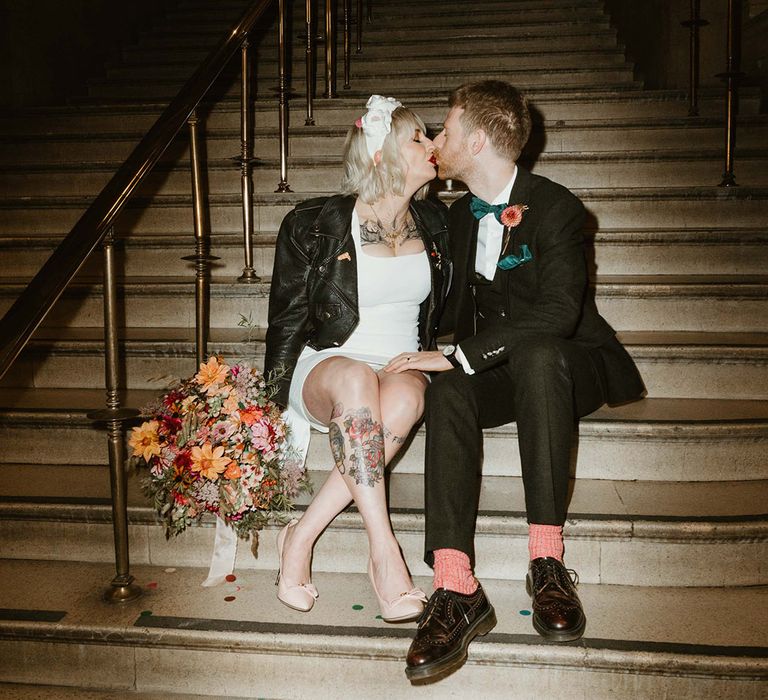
column 429, row 361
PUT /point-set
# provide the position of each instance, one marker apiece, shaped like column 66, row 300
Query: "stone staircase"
column 668, row 524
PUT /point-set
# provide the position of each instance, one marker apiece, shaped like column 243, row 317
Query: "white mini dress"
column 390, row 291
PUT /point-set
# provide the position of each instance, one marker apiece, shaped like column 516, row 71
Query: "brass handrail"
column 36, row 301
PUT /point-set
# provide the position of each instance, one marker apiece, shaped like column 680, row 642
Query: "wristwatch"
column 449, row 353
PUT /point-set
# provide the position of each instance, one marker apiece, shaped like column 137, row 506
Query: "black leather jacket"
column 313, row 298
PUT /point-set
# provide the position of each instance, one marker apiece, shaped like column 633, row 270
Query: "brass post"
column 310, row 120
column 201, row 258
column 694, row 23
column 330, row 52
column 359, row 17
column 246, row 163
column 731, row 77
column 122, row 588
column 283, row 186
column 347, row 41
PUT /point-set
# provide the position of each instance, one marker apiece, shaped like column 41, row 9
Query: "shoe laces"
column 551, row 571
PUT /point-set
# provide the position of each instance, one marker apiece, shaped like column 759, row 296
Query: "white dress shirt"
column 490, row 236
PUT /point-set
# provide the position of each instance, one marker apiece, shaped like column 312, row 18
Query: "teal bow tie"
column 480, row 208
column 512, row 261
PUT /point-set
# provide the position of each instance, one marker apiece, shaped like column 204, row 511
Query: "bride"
column 358, row 278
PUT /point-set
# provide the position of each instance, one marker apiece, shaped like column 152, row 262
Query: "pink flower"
column 513, row 215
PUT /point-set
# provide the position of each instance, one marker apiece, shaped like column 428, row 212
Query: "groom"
column 530, row 347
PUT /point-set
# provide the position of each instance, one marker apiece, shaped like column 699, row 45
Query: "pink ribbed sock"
column 453, row 571
column 545, row 541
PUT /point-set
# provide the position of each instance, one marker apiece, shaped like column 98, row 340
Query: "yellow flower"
column 211, row 374
column 208, row 461
column 145, row 441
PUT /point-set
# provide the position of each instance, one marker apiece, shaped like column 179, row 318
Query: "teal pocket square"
column 511, row 261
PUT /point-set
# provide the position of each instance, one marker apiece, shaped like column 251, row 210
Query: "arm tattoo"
column 338, row 409
column 389, row 435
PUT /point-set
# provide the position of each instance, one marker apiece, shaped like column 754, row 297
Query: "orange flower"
column 233, row 471
column 251, row 414
column 145, row 441
column 211, row 374
column 231, row 403
column 208, row 461
column 513, row 215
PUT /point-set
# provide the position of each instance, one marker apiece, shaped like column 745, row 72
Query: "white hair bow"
column 377, row 121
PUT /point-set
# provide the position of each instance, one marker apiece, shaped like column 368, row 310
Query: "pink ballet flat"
column 300, row 596
column 406, row 607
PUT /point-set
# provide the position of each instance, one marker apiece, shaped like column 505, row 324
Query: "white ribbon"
column 224, row 553
column 377, row 121
column 225, row 542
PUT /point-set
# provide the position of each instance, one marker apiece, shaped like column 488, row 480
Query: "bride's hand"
column 429, row 361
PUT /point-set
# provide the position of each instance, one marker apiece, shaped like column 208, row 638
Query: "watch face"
column 449, row 350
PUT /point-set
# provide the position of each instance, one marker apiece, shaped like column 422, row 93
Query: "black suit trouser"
column 545, row 386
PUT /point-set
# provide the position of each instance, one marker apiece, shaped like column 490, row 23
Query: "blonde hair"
column 369, row 181
column 497, row 108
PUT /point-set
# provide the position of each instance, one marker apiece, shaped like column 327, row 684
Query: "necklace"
column 396, row 234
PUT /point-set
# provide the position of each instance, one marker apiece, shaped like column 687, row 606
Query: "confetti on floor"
column 230, row 578
column 170, row 570
column 229, row 598
column 357, row 606
column 152, row 584
column 525, row 612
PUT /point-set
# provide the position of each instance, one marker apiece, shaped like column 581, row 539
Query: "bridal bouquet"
column 217, row 444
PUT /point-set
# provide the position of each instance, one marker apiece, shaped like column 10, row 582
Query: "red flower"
column 513, row 215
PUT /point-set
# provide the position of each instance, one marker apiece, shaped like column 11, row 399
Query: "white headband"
column 376, row 123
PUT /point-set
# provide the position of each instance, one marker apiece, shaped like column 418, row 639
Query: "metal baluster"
column 202, row 257
column 246, row 164
column 732, row 77
column 330, row 52
column 309, row 12
column 282, row 89
column 122, row 588
column 694, row 23
column 359, row 17
column 347, row 41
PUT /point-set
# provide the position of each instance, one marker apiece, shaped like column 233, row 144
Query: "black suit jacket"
column 547, row 296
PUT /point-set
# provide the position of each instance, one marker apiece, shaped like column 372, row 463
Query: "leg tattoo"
column 366, row 443
column 389, row 435
column 337, row 445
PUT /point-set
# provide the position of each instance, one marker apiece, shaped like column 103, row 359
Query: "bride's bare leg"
column 366, row 414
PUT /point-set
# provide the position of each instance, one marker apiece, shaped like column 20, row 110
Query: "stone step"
column 604, row 40
column 266, row 69
column 651, row 534
column 393, row 15
column 646, row 138
column 86, row 116
column 610, row 252
column 437, row 28
column 651, row 440
column 402, row 83
column 254, row 645
column 673, row 365
column 574, row 170
column 610, row 208
column 652, row 302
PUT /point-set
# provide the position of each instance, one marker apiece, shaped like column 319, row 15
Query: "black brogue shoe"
column 449, row 623
column 557, row 612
